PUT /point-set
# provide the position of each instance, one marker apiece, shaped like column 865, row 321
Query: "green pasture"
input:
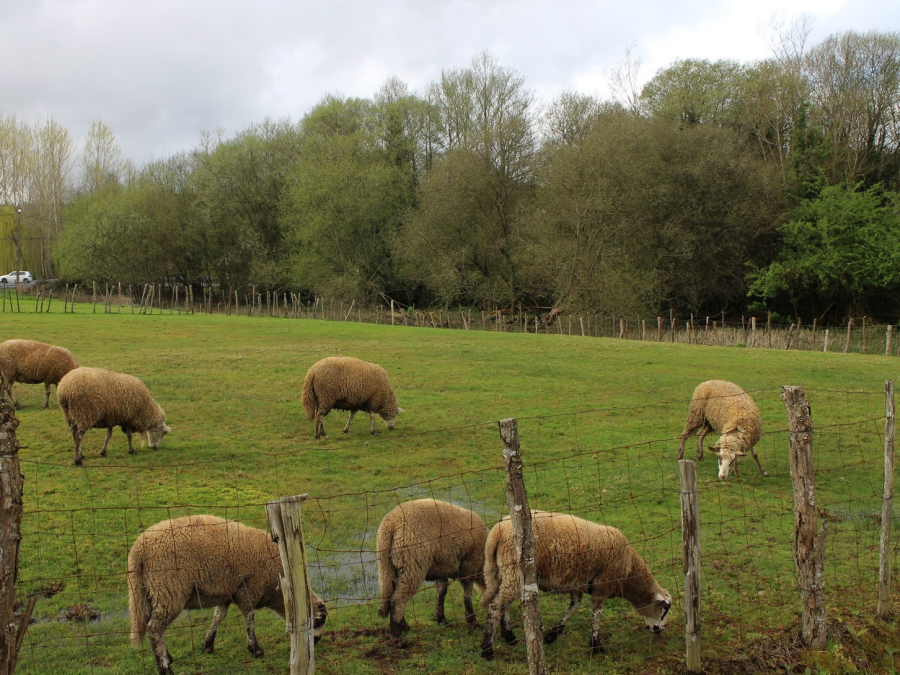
column 599, row 421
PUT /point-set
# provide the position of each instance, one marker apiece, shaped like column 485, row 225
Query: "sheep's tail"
column 491, row 569
column 384, row 543
column 138, row 604
column 308, row 397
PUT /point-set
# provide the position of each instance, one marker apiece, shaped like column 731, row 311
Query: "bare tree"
column 102, row 162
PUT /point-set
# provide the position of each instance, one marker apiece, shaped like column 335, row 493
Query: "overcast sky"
column 160, row 72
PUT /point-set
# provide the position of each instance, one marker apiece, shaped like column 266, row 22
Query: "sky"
column 160, row 73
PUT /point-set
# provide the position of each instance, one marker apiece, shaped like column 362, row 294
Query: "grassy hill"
column 599, row 422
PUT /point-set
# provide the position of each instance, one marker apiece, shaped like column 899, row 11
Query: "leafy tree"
column 840, row 255
column 696, row 91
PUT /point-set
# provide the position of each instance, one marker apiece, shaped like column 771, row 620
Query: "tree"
column 696, row 91
column 102, row 162
column 840, row 255
column 463, row 242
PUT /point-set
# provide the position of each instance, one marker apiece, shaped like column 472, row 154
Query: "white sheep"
column 723, row 407
column 203, row 561
column 347, row 383
column 94, row 398
column 33, row 362
column 573, row 556
column 428, row 540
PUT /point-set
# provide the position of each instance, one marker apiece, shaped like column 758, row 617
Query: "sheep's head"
column 728, row 449
column 154, row 434
column 390, row 416
column 656, row 613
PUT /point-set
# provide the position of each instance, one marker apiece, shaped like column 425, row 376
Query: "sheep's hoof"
column 596, row 647
column 103, row 453
column 510, row 637
column 256, row 650
column 487, row 652
column 78, row 462
column 441, row 619
column 207, row 648
column 765, row 473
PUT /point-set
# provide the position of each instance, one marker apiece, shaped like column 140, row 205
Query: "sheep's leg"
column 109, row 431
column 471, row 619
column 156, row 631
column 575, row 602
column 596, row 647
column 210, row 639
column 46, row 395
column 372, row 422
column 409, row 582
column 761, row 470
column 695, row 420
column 78, row 436
column 128, row 433
column 252, row 643
column 12, row 397
column 441, row 585
column 498, row 613
column 349, row 419
column 704, row 430
column 320, row 428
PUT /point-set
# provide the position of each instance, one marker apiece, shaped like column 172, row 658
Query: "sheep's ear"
column 400, row 410
column 166, row 427
column 740, row 453
column 730, row 431
column 715, row 448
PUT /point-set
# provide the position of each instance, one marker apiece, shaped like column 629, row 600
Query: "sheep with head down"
column 723, row 407
column 573, row 556
column 33, row 362
column 428, row 540
column 94, row 398
column 202, row 561
column 347, row 383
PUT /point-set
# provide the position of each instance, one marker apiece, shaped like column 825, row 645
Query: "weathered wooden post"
column 287, row 529
column 888, row 340
column 11, row 480
column 849, row 331
column 809, row 541
column 690, row 534
column 520, row 515
column 887, row 507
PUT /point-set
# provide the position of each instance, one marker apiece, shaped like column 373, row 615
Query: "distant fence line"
column 860, row 335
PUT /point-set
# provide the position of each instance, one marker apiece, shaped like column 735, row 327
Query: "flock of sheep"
column 206, row 561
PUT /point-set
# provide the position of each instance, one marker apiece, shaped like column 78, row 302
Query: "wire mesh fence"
column 79, row 525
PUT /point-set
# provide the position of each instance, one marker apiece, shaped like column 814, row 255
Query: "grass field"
column 599, row 421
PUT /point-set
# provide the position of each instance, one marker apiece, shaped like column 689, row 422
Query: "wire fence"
column 860, row 335
column 79, row 525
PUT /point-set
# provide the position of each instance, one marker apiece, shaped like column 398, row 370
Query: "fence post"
column 809, row 542
column 849, row 331
column 887, row 507
column 11, row 480
column 287, row 528
column 690, row 534
column 888, row 340
column 520, row 515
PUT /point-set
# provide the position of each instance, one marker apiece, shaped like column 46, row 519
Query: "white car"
column 10, row 279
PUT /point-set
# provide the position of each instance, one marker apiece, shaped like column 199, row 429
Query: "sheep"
column 347, row 383
column 428, row 540
column 204, row 561
column 33, row 362
column 94, row 398
column 573, row 556
column 728, row 410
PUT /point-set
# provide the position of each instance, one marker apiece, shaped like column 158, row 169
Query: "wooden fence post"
column 520, row 515
column 11, row 480
column 659, row 328
column 287, row 529
column 690, row 534
column 849, row 331
column 809, row 542
column 888, row 340
column 887, row 507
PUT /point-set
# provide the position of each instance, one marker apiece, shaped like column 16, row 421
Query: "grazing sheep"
column 346, row 383
column 428, row 540
column 728, row 410
column 573, row 556
column 204, row 561
column 93, row 398
column 33, row 362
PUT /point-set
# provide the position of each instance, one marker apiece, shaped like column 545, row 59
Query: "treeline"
column 718, row 186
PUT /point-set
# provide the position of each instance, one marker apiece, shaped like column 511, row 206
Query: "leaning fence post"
column 520, row 515
column 809, row 542
column 11, row 480
column 887, row 507
column 287, row 530
column 690, row 534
